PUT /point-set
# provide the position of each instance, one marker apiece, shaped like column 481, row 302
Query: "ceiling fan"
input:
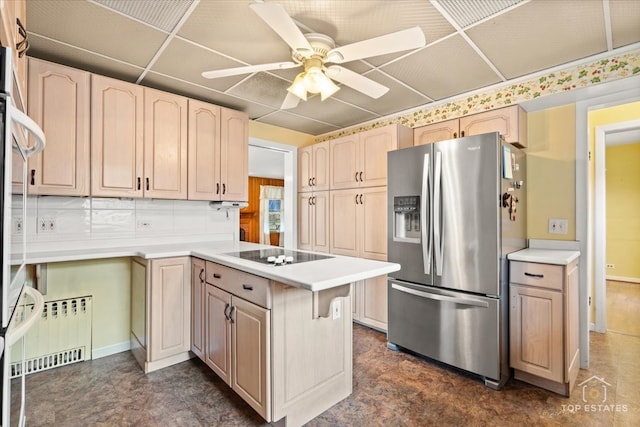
column 318, row 55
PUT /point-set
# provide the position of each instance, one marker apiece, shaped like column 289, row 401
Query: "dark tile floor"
column 389, row 389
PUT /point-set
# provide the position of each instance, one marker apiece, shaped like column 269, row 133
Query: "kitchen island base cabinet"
column 161, row 300
column 269, row 343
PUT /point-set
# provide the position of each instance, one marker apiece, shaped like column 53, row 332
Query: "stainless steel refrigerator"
column 455, row 210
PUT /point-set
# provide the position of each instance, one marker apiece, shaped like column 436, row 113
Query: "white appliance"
column 455, row 210
column 15, row 126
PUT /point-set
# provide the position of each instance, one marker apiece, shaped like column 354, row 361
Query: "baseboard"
column 97, row 353
column 623, row 279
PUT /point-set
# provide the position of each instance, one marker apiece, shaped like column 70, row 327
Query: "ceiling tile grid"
column 167, row 44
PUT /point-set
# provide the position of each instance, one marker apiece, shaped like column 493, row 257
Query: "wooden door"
column 320, row 167
column 441, row 131
column 165, row 145
column 320, row 221
column 374, row 145
column 198, row 298
column 234, row 155
column 372, row 223
column 59, row 103
column 374, row 302
column 305, row 221
column 170, row 313
column 204, row 151
column 251, row 355
column 510, row 121
column 117, row 143
column 218, row 332
column 344, row 207
column 305, row 169
column 344, row 169
column 536, row 324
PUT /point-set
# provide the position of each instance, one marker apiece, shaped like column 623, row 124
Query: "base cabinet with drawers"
column 160, row 311
column 263, row 337
column 544, row 324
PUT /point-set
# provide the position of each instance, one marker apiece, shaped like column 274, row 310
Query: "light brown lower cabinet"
column 276, row 345
column 370, row 302
column 544, row 324
column 160, row 311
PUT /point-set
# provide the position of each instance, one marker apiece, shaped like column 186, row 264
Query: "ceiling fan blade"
column 278, row 19
column 290, row 101
column 214, row 74
column 411, row 38
column 356, row 81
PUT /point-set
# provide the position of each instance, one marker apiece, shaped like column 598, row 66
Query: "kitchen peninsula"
column 279, row 336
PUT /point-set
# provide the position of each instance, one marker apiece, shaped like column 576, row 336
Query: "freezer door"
column 451, row 327
column 466, row 217
column 409, row 226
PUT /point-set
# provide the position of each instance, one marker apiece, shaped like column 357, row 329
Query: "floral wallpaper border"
column 580, row 76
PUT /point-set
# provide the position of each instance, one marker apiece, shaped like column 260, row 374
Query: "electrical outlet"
column 143, row 224
column 336, row 309
column 18, row 225
column 611, row 266
column 46, row 225
column 558, row 226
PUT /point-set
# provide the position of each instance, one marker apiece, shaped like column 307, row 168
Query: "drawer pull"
column 226, row 307
column 217, row 276
column 537, row 276
column 247, row 287
column 233, row 307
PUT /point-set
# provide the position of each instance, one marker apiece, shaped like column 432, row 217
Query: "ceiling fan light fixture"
column 298, row 87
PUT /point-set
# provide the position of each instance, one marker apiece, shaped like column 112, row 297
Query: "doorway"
column 278, row 162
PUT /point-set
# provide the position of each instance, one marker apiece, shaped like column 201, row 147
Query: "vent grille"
column 60, row 337
column 163, row 15
column 465, row 12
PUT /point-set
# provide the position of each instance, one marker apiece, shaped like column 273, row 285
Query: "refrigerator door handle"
column 438, row 228
column 445, row 298
column 426, row 233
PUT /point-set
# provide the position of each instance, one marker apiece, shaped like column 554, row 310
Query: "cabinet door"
column 170, row 311
column 218, row 332
column 343, row 164
column 436, row 132
column 234, row 156
column 536, row 324
column 165, row 145
column 344, row 208
column 374, row 145
column 204, row 151
column 572, row 322
column 320, row 222
column 198, row 297
column 59, row 103
column 251, row 354
column 374, row 302
column 305, row 221
column 116, row 138
column 510, row 122
column 139, row 301
column 321, row 166
column 305, row 169
column 372, row 223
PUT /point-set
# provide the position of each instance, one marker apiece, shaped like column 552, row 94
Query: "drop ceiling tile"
column 625, row 22
column 163, row 15
column 232, row 28
column 294, row 122
column 444, row 69
column 168, row 84
column 398, row 98
column 541, row 34
column 332, row 111
column 94, row 28
column 263, row 88
column 67, row 55
column 180, row 52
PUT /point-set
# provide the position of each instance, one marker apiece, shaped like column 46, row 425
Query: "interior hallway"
column 623, row 307
column 389, row 389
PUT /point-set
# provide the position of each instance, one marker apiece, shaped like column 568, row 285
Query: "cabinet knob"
column 233, row 307
column 33, row 177
column 226, row 307
column 139, row 183
column 147, row 183
column 201, row 275
column 217, row 188
column 313, row 181
column 224, row 188
column 356, row 176
column 360, row 176
column 310, row 184
column 361, row 199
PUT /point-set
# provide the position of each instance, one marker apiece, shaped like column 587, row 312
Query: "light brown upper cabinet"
column 360, row 160
column 59, row 103
column 165, row 145
column 13, row 14
column 117, row 144
column 218, row 153
column 441, row 131
column 511, row 122
column 313, row 167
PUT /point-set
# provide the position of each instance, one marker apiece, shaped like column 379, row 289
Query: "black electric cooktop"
column 277, row 256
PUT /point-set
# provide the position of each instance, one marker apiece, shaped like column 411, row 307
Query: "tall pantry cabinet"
column 353, row 211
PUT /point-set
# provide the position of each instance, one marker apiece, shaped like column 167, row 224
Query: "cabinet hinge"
column 589, row 155
column 589, row 301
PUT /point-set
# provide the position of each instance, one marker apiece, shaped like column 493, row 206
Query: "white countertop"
column 544, row 256
column 314, row 275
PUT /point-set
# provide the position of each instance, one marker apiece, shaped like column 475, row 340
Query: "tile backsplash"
column 69, row 219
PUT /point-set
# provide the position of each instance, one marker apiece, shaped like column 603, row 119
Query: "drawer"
column 540, row 275
column 247, row 286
